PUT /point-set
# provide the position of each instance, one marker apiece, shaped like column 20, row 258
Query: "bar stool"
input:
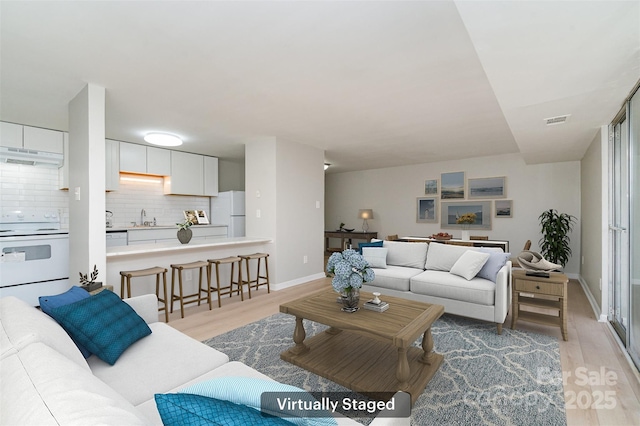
column 125, row 276
column 256, row 281
column 197, row 297
column 223, row 291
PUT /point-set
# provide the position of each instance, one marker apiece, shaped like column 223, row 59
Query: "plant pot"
column 184, row 235
column 350, row 299
column 91, row 286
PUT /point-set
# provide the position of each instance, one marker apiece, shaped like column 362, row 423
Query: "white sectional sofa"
column 45, row 380
column 422, row 271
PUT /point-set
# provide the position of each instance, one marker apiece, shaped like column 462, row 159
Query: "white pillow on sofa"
column 469, row 264
column 411, row 255
column 442, row 257
column 376, row 256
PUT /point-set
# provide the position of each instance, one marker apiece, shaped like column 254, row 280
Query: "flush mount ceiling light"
column 162, row 139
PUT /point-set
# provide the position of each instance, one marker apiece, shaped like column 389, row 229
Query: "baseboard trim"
column 298, row 281
column 592, row 300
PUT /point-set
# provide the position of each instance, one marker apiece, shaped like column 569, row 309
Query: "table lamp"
column 365, row 214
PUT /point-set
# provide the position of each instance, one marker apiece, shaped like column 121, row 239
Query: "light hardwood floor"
column 601, row 388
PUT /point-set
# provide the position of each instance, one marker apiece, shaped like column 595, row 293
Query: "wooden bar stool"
column 197, row 297
column 125, row 276
column 223, row 291
column 256, row 281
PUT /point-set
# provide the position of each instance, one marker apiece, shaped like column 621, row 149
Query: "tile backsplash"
column 32, row 188
column 128, row 201
column 36, row 188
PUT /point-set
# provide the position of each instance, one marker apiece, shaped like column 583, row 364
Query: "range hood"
column 30, row 157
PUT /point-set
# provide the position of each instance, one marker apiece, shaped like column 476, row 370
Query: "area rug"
column 485, row 378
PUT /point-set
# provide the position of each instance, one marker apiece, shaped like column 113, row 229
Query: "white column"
column 87, row 244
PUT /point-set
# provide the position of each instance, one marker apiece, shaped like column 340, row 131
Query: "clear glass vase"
column 350, row 299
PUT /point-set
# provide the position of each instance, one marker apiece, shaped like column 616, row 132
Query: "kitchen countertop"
column 131, row 228
column 173, row 246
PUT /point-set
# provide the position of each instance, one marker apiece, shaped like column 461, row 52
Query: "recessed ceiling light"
column 163, row 139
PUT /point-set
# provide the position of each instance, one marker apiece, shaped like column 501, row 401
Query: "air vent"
column 561, row 119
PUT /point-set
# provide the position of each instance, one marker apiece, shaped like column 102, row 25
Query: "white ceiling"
column 374, row 84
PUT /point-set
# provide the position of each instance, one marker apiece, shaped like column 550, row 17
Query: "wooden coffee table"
column 366, row 351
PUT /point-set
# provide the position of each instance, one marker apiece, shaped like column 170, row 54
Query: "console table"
column 504, row 245
column 346, row 238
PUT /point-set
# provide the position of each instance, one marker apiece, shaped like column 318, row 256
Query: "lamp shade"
column 365, row 214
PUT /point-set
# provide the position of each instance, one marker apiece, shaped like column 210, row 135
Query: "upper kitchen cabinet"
column 112, row 165
column 192, row 174
column 18, row 136
column 136, row 158
column 210, row 176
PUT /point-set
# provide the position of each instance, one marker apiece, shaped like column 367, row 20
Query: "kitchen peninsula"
column 164, row 254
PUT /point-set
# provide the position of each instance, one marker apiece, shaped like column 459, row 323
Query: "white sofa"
column 45, row 380
column 421, row 271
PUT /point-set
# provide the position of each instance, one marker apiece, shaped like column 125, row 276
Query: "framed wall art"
column 427, row 210
column 450, row 211
column 431, row 187
column 493, row 187
column 503, row 208
column 452, row 186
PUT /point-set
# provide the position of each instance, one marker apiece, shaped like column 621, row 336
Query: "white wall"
column 591, row 201
column 230, row 175
column 283, row 181
column 392, row 192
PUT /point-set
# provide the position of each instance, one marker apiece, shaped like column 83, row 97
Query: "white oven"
column 33, row 262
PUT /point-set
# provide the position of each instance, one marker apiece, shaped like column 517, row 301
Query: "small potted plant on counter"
column 184, row 233
column 90, row 284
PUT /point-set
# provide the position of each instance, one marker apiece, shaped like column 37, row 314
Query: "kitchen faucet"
column 143, row 214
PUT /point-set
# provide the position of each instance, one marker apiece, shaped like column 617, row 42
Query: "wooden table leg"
column 563, row 319
column 514, row 309
column 403, row 371
column 299, row 335
column 427, row 347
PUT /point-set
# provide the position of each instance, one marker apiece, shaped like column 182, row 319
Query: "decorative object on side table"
column 465, row 220
column 184, row 233
column 350, row 270
column 365, row 214
column 89, row 283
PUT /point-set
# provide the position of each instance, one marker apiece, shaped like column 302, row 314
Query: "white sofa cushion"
column 156, row 364
column 24, row 325
column 411, row 255
column 449, row 286
column 469, row 264
column 394, row 277
column 41, row 386
column 442, row 257
column 375, row 256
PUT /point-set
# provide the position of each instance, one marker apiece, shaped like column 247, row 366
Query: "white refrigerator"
column 228, row 209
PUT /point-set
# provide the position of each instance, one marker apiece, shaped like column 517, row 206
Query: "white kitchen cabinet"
column 112, row 165
column 158, row 161
column 19, row 136
column 11, row 135
column 187, row 174
column 42, row 139
column 63, row 172
column 210, row 176
column 133, row 158
column 153, row 235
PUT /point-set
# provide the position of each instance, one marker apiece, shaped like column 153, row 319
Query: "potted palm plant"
column 554, row 243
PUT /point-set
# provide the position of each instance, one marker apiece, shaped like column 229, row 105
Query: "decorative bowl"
column 440, row 237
